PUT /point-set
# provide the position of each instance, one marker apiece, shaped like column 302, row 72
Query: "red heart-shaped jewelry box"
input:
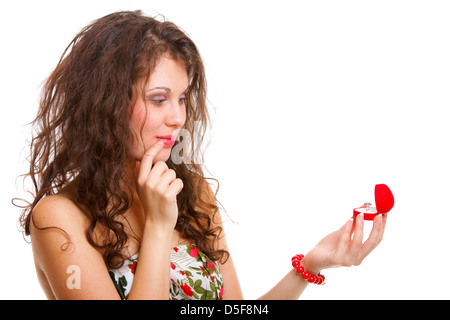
column 384, row 202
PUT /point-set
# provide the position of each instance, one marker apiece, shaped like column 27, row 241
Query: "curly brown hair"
column 82, row 129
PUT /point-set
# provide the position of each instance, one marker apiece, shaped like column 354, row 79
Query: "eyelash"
column 182, row 100
column 160, row 101
column 157, row 101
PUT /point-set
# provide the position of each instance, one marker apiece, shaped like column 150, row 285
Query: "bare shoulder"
column 56, row 225
column 60, row 245
column 58, row 211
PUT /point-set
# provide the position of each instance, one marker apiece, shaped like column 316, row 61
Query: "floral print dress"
column 193, row 276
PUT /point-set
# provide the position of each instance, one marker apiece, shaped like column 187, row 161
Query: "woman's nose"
column 176, row 114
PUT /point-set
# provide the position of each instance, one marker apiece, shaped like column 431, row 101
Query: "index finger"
column 147, row 159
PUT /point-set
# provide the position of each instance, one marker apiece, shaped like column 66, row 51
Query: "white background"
column 313, row 102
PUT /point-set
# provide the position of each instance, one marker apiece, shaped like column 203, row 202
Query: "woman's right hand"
column 157, row 187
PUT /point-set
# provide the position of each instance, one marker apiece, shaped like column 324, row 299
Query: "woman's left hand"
column 345, row 246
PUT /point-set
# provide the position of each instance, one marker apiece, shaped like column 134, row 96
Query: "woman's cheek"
column 139, row 115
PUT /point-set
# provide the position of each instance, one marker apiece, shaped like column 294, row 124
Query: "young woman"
column 118, row 211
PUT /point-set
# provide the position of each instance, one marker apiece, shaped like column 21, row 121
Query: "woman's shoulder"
column 60, row 247
column 59, row 210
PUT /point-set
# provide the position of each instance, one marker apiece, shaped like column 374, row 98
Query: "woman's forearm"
column 291, row 286
column 152, row 277
column 288, row 288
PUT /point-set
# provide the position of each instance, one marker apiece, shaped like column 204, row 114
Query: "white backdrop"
column 314, row 102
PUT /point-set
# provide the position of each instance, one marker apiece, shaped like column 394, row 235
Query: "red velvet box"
column 384, row 202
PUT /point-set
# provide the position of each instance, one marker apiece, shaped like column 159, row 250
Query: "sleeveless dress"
column 193, row 276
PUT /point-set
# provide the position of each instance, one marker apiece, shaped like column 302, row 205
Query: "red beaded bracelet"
column 315, row 279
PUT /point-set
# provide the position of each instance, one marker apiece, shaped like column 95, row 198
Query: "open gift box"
column 384, row 202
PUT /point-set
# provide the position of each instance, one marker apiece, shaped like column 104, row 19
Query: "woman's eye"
column 160, row 99
column 182, row 100
column 157, row 99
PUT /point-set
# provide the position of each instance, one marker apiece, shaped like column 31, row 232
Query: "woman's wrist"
column 308, row 275
column 308, row 265
column 159, row 228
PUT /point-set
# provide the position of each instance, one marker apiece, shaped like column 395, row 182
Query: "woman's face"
column 163, row 113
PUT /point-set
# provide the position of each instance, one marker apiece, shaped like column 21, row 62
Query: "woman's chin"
column 163, row 155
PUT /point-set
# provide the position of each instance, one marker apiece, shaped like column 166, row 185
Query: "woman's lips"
column 168, row 142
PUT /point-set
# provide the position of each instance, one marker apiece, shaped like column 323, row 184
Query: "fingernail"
column 160, row 142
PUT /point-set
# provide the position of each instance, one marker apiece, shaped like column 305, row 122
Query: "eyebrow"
column 165, row 89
